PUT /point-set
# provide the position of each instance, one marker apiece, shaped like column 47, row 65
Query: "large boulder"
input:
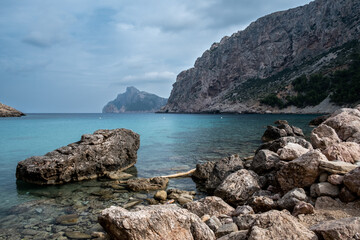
column 265, row 161
column 213, row 206
column 346, row 228
column 344, row 151
column 352, row 181
column 291, row 198
column 282, row 142
column 154, row 222
column 273, row 133
column 95, row 155
column 291, row 151
column 323, row 136
column 301, row 172
column 238, row 187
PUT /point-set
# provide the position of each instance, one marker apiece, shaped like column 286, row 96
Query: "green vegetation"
column 273, row 101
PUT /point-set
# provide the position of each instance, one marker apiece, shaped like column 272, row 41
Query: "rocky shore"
column 7, row 111
column 290, row 189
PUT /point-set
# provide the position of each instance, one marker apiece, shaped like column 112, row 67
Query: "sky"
column 74, row 56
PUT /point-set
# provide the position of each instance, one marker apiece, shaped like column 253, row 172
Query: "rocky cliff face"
column 7, row 111
column 134, row 100
column 271, row 52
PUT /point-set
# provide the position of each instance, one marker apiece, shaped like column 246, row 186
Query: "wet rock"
column 336, row 167
column 273, row 133
column 131, row 204
column 70, row 219
column 282, row 142
column 291, row 198
column 303, row 208
column 344, row 151
column 335, row 179
column 324, row 189
column 226, row 229
column 346, row 228
column 242, row 210
column 323, row 136
column 238, row 235
column 301, row 172
column 160, row 195
column 152, row 201
column 145, row 184
column 238, row 187
column 154, row 222
column 77, row 235
column 265, row 161
column 95, row 155
column 291, row 151
column 212, row 205
column 262, row 203
column 346, row 195
column 203, row 170
column 352, row 181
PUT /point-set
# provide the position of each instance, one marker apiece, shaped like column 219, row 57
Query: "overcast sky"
column 76, row 55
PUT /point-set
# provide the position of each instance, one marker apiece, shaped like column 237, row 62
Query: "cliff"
column 235, row 74
column 134, row 100
column 7, row 111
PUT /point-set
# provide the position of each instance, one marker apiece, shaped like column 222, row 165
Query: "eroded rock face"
column 352, row 181
column 7, row 111
column 145, row 184
column 95, row 155
column 213, row 206
column 265, row 161
column 291, row 151
column 344, row 151
column 153, row 223
column 346, row 228
column 323, row 137
column 282, row 142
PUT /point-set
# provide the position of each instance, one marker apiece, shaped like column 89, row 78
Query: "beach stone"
column 291, row 198
column 352, row 181
column 212, row 205
column 346, row 228
column 70, row 219
column 301, row 172
column 291, row 151
column 77, row 235
column 238, row 187
column 326, row 202
column 265, row 161
column 303, row 208
column 226, row 229
column 145, row 184
column 335, row 179
column 174, row 193
column 131, row 204
column 346, row 195
column 213, row 223
column 238, row 235
column 160, row 195
column 184, row 199
column 273, row 133
column 336, row 167
column 344, row 151
column 323, row 136
column 242, row 210
column 282, row 142
column 95, row 155
column 153, row 222
column 325, row 189
column 262, row 203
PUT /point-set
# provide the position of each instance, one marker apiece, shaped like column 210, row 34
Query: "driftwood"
column 182, row 174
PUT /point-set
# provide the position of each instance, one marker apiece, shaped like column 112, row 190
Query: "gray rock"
column 352, row 181
column 344, row 151
column 346, row 228
column 282, row 142
column 265, row 161
column 226, row 229
column 324, row 189
column 154, row 222
column 213, row 223
column 203, row 170
column 242, row 210
column 323, row 177
column 335, row 179
column 273, row 133
column 212, row 205
column 144, row 184
column 262, row 203
column 77, row 235
column 303, row 208
column 291, row 198
column 323, row 136
column 95, row 155
column 291, row 151
column 336, row 167
column 238, row 235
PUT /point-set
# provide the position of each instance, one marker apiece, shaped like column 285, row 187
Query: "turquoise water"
column 169, row 143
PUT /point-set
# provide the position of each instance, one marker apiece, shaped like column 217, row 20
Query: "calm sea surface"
column 169, row 143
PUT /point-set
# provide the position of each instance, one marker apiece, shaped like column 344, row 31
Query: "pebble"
column 70, row 219
column 77, row 235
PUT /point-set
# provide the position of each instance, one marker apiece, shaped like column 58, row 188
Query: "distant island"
column 7, row 111
column 134, row 100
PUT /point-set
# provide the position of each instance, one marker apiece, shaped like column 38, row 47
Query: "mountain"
column 134, row 100
column 7, row 111
column 254, row 70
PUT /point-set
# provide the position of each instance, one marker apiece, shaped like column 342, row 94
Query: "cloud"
column 148, row 77
column 42, row 40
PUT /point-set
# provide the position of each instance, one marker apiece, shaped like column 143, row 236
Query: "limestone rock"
column 324, row 189
column 282, row 142
column 203, row 170
column 336, row 167
column 273, row 133
column 335, row 179
column 265, row 161
column 238, row 235
column 212, row 205
column 144, row 184
column 154, row 222
column 242, row 210
column 344, row 151
column 213, row 223
column 352, row 181
column 160, row 195
column 291, row 151
column 303, row 208
column 323, row 136
column 346, row 228
column 262, row 203
column 95, row 155
column 301, row 172
column 7, row 111
column 291, row 198
column 226, row 229
column 326, row 202
column 77, row 235
column 238, row 187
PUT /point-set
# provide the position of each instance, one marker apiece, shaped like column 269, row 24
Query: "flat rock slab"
column 346, row 228
column 336, row 167
column 95, row 155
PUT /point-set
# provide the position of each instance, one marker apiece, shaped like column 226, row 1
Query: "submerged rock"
column 154, row 222
column 95, row 155
column 145, row 184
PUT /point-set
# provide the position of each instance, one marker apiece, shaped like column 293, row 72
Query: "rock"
column 131, row 204
column 238, row 187
column 291, row 198
column 212, row 205
column 154, row 222
column 301, row 172
column 346, row 195
column 70, row 219
column 346, row 228
column 203, row 170
column 346, row 123
column 344, row 151
column 303, row 208
column 184, row 199
column 352, row 181
column 273, row 133
column 281, row 122
column 265, row 161
column 145, row 184
column 238, row 235
column 262, row 203
column 335, row 179
column 291, row 151
column 323, row 136
column 160, row 195
column 326, row 202
column 226, row 229
column 323, row 177
column 95, row 155
column 282, row 142
column 325, row 189
column 242, row 210
column 319, row 120
column 213, row 223
column 174, row 193
column 205, row 218
column 77, row 235
column 7, row 111
column 118, row 175
column 336, row 167
column 297, row 131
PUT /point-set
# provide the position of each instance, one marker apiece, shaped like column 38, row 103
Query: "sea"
column 169, row 143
